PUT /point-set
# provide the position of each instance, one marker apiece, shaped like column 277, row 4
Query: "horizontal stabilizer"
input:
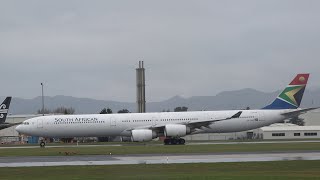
column 298, row 112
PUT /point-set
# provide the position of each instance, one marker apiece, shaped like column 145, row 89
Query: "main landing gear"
column 42, row 144
column 174, row 141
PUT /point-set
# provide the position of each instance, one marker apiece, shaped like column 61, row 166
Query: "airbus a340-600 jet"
column 172, row 125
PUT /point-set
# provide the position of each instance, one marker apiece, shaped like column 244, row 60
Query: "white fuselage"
column 95, row 125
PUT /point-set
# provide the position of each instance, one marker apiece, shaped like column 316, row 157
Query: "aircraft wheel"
column 182, row 141
column 167, row 141
column 42, row 144
column 174, row 141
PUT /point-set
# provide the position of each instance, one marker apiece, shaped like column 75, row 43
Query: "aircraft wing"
column 192, row 124
column 197, row 124
column 298, row 112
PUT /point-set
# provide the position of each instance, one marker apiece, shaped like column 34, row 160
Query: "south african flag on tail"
column 291, row 96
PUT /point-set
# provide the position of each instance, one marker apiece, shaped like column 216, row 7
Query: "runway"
column 156, row 158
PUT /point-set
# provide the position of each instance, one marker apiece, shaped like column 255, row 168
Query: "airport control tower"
column 141, row 95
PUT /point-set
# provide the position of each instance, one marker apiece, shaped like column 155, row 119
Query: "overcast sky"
column 191, row 48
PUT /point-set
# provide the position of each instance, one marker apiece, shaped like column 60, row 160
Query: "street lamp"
column 42, row 100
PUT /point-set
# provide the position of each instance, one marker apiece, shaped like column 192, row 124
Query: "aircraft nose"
column 19, row 128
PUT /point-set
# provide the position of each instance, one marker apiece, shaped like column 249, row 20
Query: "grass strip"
column 292, row 170
column 121, row 150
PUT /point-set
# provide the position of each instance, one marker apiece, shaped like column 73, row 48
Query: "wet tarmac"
column 156, row 158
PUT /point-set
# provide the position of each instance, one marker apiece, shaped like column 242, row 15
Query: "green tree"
column 58, row 110
column 45, row 111
column 64, row 110
column 106, row 111
column 109, row 111
column 180, row 109
column 124, row 111
column 103, row 111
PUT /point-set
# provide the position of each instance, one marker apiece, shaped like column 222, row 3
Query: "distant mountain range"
column 239, row 99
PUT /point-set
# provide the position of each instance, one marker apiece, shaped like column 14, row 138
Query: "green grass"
column 152, row 149
column 291, row 170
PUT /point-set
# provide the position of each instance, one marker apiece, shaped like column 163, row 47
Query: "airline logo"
column 294, row 92
column 77, row 120
column 3, row 110
column 302, row 79
column 291, row 95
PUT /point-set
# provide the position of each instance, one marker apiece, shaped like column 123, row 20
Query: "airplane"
column 173, row 125
column 4, row 107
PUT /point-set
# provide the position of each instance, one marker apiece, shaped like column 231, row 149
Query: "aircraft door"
column 40, row 123
column 261, row 116
column 212, row 116
column 113, row 122
column 154, row 121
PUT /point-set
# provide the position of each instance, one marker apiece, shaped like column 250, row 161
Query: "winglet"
column 4, row 107
column 237, row 115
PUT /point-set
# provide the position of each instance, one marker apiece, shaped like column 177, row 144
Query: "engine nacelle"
column 176, row 130
column 140, row 135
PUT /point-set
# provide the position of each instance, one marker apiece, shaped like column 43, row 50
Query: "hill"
column 239, row 99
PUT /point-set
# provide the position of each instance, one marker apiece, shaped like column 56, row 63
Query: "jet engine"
column 176, row 130
column 140, row 135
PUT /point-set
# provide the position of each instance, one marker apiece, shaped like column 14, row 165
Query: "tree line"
column 109, row 111
column 58, row 110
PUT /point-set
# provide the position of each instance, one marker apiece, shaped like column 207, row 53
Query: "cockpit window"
column 25, row 123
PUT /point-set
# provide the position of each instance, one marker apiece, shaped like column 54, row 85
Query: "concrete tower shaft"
column 141, row 96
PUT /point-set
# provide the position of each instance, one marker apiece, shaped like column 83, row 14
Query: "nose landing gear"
column 42, row 144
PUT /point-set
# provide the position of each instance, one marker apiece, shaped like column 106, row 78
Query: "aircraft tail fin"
column 4, row 107
column 291, row 96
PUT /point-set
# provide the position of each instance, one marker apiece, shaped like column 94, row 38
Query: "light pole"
column 42, row 100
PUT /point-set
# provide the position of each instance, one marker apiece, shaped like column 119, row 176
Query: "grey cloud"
column 91, row 48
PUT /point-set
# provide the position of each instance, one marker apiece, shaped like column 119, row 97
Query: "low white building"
column 20, row 118
column 290, row 131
